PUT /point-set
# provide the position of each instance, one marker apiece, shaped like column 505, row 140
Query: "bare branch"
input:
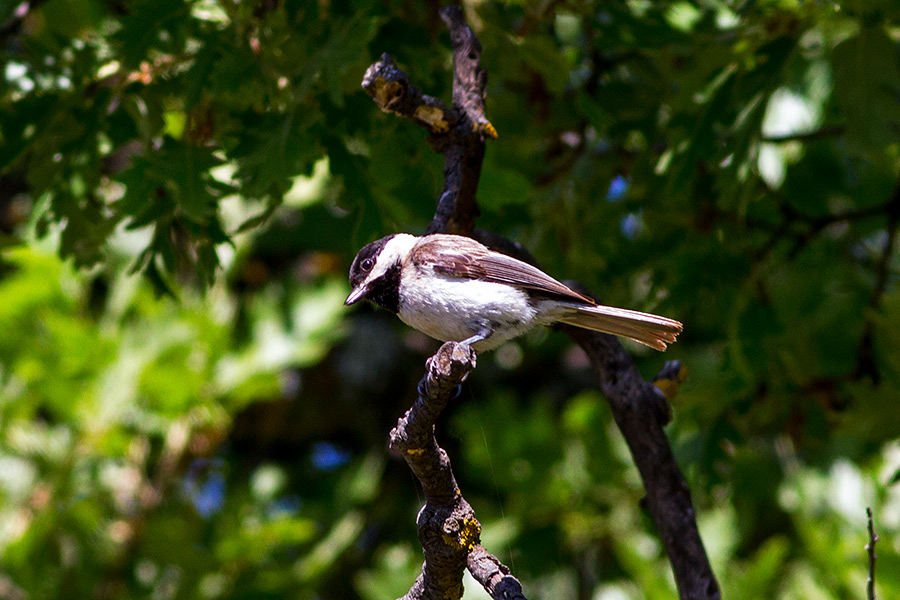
column 870, row 549
column 641, row 410
column 390, row 88
column 464, row 151
column 457, row 133
column 469, row 79
column 446, row 525
column 447, row 528
column 493, row 575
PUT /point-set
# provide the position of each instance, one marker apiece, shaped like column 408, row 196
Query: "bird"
column 453, row 288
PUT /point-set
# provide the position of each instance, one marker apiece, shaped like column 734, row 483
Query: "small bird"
column 453, row 288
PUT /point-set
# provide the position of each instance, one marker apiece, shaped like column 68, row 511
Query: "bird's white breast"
column 453, row 309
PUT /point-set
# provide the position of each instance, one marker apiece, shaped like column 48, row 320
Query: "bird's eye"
column 367, row 264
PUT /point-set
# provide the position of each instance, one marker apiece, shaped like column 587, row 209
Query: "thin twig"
column 870, row 548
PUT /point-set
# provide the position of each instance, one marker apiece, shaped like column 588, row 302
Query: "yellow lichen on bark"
column 386, row 92
column 434, row 116
column 488, row 130
column 468, row 535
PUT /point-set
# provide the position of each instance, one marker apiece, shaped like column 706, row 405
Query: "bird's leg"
column 484, row 333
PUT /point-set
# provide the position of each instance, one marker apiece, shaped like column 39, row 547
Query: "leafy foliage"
column 734, row 165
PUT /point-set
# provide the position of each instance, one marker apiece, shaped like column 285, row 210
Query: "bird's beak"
column 356, row 295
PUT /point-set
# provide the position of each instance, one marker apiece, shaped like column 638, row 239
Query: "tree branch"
column 870, row 550
column 447, row 527
column 457, row 208
column 448, row 530
column 493, row 575
column 641, row 410
column 457, row 133
column 390, row 88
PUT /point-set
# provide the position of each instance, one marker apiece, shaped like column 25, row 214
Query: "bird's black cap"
column 358, row 272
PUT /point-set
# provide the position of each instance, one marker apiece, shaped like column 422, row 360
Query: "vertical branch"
column 464, row 147
column 448, row 531
column 639, row 408
column 458, row 133
column 469, row 79
column 870, row 548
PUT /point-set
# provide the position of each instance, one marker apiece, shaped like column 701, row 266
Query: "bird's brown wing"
column 458, row 256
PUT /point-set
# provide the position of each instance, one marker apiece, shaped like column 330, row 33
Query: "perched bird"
column 453, row 288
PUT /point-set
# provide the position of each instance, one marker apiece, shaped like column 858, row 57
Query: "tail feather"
column 645, row 328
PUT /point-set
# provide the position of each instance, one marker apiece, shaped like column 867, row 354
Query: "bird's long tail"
column 650, row 330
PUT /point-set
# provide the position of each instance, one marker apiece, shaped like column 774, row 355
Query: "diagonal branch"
column 641, row 410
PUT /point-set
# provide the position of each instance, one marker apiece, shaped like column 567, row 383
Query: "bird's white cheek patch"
column 393, row 252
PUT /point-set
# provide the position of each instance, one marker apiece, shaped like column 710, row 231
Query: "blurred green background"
column 188, row 411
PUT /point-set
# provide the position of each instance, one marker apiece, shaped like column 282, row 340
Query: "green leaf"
column 273, row 148
column 142, row 26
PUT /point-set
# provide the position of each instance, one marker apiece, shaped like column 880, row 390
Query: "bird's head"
column 375, row 272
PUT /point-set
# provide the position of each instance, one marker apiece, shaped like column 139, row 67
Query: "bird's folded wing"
column 467, row 259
